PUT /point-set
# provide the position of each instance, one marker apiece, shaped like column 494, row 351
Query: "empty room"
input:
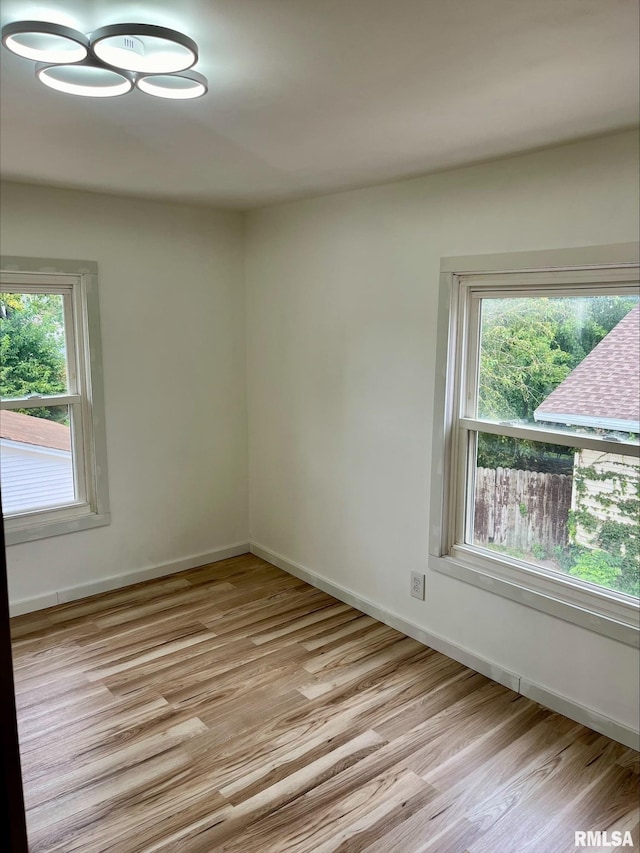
column 319, row 426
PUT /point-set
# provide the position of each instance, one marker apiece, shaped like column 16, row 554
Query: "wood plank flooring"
column 235, row 709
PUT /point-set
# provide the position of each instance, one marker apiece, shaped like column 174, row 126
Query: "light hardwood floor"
column 235, row 708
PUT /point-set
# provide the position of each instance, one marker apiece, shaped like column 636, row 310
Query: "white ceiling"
column 311, row 96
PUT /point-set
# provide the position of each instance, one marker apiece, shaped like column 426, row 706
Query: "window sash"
column 573, row 268
column 464, row 425
column 552, row 436
column 462, row 541
column 472, row 291
column 35, row 401
column 71, row 289
column 28, row 274
column 78, row 461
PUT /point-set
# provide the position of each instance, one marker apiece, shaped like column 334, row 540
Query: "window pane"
column 570, row 363
column 36, row 458
column 33, row 357
column 573, row 512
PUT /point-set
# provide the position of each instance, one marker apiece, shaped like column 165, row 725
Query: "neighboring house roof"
column 38, row 431
column 604, row 389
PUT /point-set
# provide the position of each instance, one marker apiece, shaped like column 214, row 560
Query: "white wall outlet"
column 417, row 585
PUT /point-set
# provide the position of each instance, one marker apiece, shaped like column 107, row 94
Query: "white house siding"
column 618, row 466
column 34, row 476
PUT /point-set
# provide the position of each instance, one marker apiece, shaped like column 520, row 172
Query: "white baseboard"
column 73, row 593
column 38, row 602
column 562, row 704
column 464, row 656
column 568, row 708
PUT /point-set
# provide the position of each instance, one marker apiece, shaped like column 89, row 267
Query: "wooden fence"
column 524, row 510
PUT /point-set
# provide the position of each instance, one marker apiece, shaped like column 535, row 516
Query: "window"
column 539, row 495
column 52, row 441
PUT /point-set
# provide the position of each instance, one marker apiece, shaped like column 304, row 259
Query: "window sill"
column 18, row 529
column 546, row 594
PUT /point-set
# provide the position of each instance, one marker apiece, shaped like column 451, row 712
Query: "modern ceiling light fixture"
column 110, row 61
column 42, row 41
column 144, row 48
column 177, row 87
column 86, row 78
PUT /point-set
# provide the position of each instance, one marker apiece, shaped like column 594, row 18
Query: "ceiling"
column 312, row 96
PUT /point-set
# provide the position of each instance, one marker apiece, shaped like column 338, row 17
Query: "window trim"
column 605, row 612
column 92, row 508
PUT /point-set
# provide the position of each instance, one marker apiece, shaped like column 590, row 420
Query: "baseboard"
column 73, row 593
column 440, row 644
column 592, row 719
column 29, row 605
column 563, row 705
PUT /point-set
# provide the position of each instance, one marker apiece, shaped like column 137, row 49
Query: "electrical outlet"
column 417, row 585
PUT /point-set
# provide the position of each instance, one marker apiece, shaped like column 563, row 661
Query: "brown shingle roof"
column 605, row 385
column 29, row 430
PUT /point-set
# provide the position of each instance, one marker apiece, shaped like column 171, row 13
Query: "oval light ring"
column 165, row 51
column 182, row 86
column 43, row 41
column 87, row 79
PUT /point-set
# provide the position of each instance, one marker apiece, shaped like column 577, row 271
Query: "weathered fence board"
column 521, row 509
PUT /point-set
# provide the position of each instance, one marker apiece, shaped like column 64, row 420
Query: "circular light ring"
column 181, row 86
column 44, row 41
column 89, row 79
column 166, row 51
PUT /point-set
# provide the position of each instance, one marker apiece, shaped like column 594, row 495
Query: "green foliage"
column 528, row 346
column 629, row 579
column 32, row 359
column 600, row 566
column 538, row 551
column 614, row 536
column 578, row 335
column 583, row 518
column 623, row 542
column 518, row 553
column 521, row 361
column 630, row 507
column 565, row 556
column 597, row 567
column 501, row 451
column 9, row 302
column 616, row 563
column 617, row 535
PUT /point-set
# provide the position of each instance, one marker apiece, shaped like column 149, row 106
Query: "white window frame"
column 77, row 282
column 463, row 282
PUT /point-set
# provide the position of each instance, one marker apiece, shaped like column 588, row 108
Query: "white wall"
column 341, row 299
column 341, row 305
column 173, row 330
